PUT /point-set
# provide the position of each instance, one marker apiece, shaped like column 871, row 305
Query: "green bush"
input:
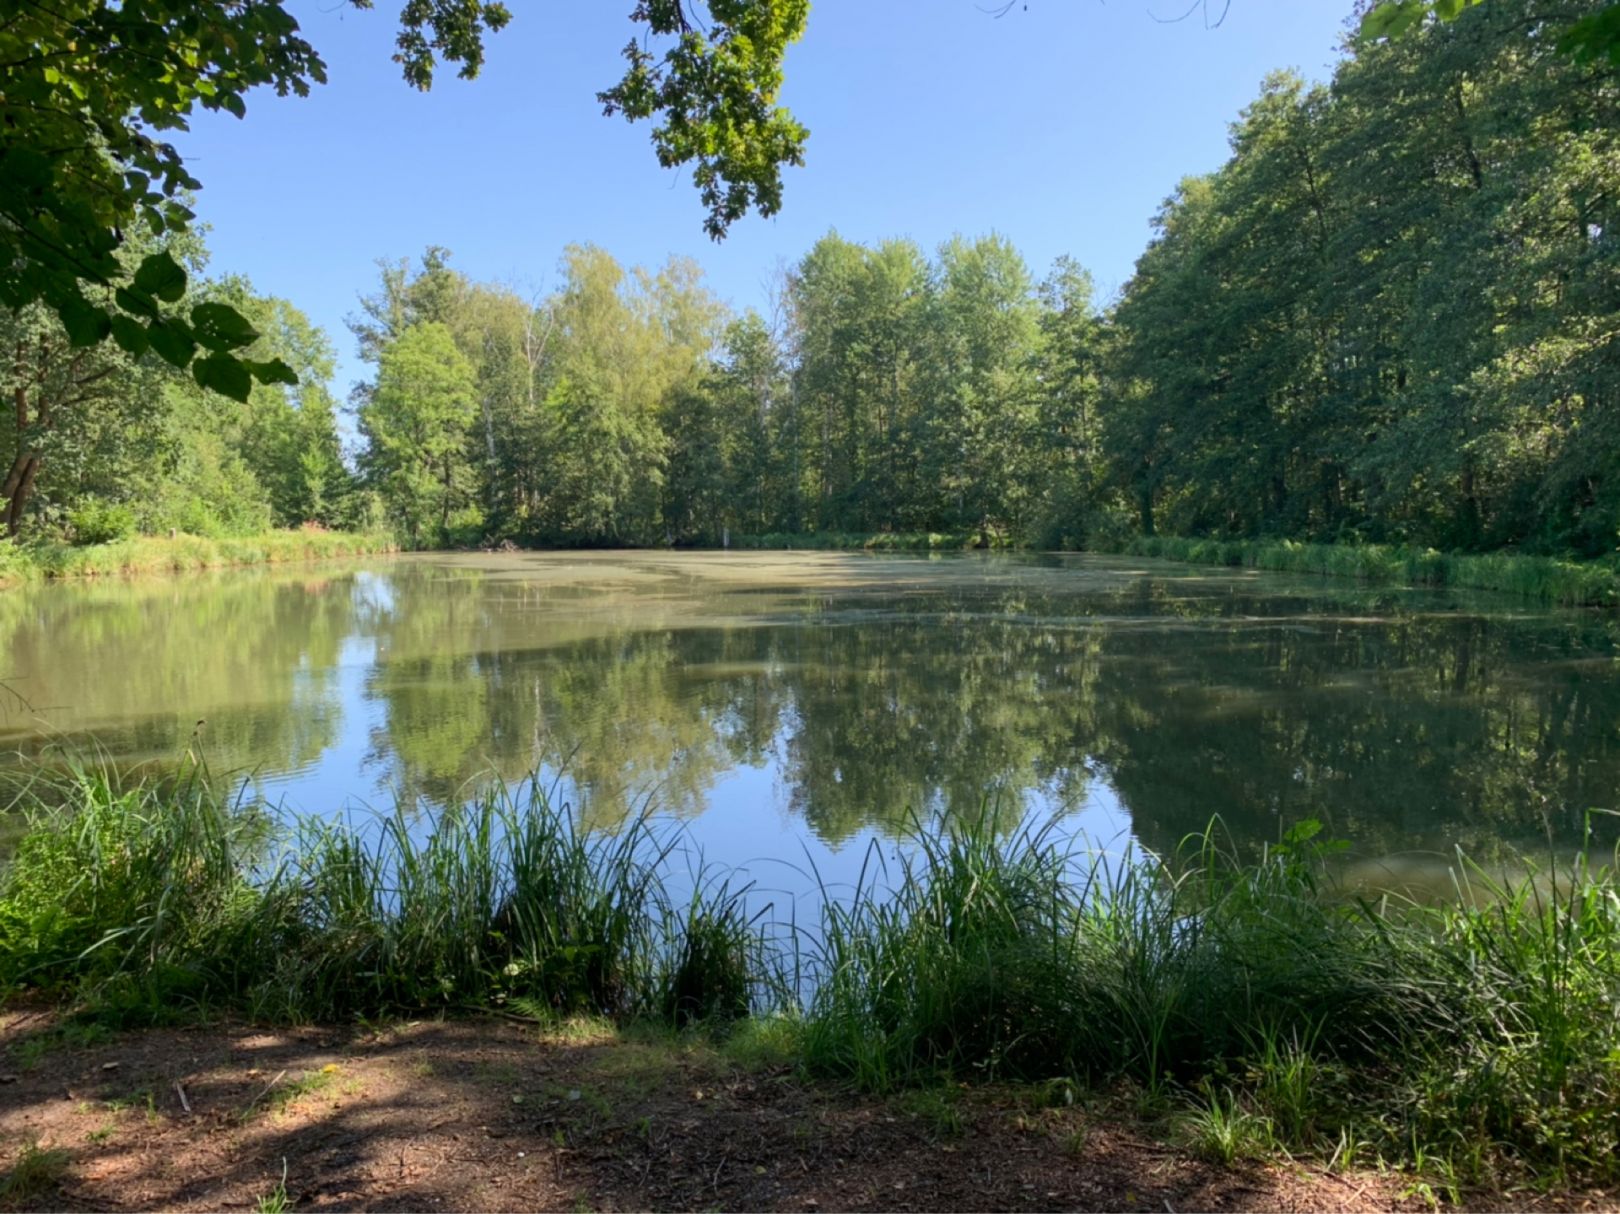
column 16, row 562
column 101, row 523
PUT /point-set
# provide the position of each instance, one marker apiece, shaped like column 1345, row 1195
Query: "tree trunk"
column 18, row 488
column 19, row 466
column 1472, row 516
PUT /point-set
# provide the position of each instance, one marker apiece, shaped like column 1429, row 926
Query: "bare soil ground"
column 489, row 1115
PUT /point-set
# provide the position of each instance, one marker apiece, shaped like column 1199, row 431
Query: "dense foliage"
column 90, row 91
column 629, row 407
column 1388, row 318
column 1391, row 314
column 98, row 429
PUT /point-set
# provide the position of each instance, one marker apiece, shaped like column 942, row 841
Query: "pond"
column 791, row 708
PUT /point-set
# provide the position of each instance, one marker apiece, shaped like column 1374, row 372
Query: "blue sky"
column 1061, row 125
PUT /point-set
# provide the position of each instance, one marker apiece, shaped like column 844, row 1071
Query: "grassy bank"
column 1250, row 1002
column 156, row 554
column 1538, row 578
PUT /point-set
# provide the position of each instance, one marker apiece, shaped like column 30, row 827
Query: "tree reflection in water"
column 871, row 690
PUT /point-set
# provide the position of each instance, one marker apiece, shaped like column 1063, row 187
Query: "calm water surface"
column 793, row 707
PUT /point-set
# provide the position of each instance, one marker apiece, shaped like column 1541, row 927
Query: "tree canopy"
column 1592, row 35
column 1388, row 317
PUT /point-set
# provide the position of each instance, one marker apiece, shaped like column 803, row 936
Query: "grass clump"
column 139, row 892
column 34, row 1174
column 957, row 966
column 279, row 1096
column 1477, row 1037
column 159, row 898
column 277, row 1200
column 1013, row 958
column 1219, row 1130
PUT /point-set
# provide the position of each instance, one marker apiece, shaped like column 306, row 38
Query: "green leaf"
column 85, row 323
column 26, row 169
column 160, row 275
column 135, row 305
column 223, row 374
column 1392, row 18
column 1595, row 36
column 274, row 371
column 172, row 342
column 130, row 334
column 221, row 327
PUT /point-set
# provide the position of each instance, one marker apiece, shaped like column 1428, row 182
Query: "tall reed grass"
column 1478, row 1036
column 1538, row 578
column 162, row 896
column 183, row 553
column 1017, row 956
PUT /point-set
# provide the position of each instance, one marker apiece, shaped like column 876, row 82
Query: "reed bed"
column 1248, row 999
column 183, row 553
column 162, row 897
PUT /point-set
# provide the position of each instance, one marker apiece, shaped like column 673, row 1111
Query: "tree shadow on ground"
column 493, row 1115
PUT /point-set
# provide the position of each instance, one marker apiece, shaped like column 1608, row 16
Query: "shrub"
column 101, row 523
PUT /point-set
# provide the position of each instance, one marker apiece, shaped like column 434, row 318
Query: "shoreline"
column 1554, row 581
column 1295, row 1022
column 146, row 554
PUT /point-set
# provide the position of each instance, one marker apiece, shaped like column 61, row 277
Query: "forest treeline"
column 1391, row 316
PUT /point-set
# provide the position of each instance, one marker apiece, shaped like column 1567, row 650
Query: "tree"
column 623, row 350
column 720, row 459
column 988, row 336
column 1067, row 437
column 85, row 420
column 752, row 386
column 59, row 397
column 289, row 436
column 90, row 88
column 417, row 423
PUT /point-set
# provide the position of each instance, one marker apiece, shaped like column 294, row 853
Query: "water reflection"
column 848, row 694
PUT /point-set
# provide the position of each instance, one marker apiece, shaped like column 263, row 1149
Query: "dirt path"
column 489, row 1115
